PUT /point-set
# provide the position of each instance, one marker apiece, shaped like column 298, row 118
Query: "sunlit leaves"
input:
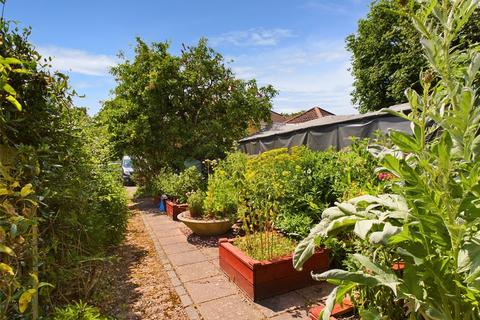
column 438, row 175
column 25, row 299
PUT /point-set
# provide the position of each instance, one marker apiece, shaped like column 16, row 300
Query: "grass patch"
column 265, row 245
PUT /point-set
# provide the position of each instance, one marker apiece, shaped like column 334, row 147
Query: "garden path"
column 205, row 292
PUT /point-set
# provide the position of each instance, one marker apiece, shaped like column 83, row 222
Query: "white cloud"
column 312, row 73
column 78, row 61
column 252, row 37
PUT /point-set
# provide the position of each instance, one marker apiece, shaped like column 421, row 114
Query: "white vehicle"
column 127, row 170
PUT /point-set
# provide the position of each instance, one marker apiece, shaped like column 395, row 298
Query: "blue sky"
column 297, row 46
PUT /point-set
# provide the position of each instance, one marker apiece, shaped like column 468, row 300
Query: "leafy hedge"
column 62, row 205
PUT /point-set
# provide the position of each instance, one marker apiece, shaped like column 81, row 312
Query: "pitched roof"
column 277, row 117
column 311, row 114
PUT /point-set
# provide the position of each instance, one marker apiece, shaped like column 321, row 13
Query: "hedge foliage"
column 62, row 205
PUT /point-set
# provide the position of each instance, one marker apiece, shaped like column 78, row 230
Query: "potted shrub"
column 214, row 212
column 201, row 223
column 177, row 187
column 160, row 182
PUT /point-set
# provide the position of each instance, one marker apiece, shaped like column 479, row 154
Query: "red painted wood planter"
column 174, row 209
column 263, row 279
column 338, row 310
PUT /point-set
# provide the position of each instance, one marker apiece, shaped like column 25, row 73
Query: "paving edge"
column 187, row 303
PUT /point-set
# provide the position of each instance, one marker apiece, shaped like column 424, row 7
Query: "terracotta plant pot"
column 205, row 227
column 174, row 209
column 263, row 279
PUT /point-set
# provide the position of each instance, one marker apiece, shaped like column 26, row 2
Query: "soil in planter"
column 265, row 245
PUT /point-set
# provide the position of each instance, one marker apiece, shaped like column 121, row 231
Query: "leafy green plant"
column 78, row 311
column 225, row 184
column 62, row 206
column 222, row 197
column 195, row 203
column 252, row 246
column 178, row 185
column 433, row 221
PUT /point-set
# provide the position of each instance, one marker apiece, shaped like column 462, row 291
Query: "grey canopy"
column 326, row 132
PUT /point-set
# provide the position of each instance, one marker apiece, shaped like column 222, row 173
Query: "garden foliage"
column 177, row 186
column 431, row 221
column 387, row 55
column 286, row 189
column 169, row 108
column 61, row 204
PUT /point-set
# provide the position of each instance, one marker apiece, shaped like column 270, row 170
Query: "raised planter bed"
column 338, row 310
column 263, row 279
column 174, row 209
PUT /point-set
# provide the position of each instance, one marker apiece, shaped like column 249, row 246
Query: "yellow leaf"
column 25, row 299
column 6, row 268
column 14, row 101
column 6, row 250
column 26, row 190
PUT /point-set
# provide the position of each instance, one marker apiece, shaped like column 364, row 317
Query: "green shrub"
column 162, row 182
column 177, row 186
column 225, row 186
column 300, row 183
column 195, row 203
column 222, row 196
column 77, row 311
column 62, row 206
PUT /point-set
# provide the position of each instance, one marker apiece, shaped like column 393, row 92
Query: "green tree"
column 387, row 56
column 169, row 108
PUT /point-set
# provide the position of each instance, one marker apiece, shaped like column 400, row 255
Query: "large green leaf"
column 382, row 237
column 363, row 227
column 469, row 260
column 356, row 277
column 25, row 299
column 329, row 304
column 386, row 277
column 304, row 250
column 7, row 250
column 405, row 142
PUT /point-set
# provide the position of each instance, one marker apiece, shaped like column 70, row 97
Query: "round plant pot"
column 205, row 227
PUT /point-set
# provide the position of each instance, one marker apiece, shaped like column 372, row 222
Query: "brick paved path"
column 205, row 292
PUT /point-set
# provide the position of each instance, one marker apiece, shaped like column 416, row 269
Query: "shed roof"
column 282, row 128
